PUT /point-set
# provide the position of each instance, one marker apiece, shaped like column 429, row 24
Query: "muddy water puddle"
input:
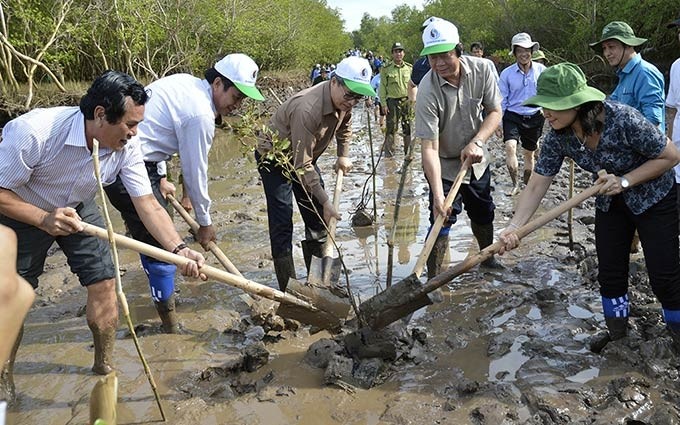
column 496, row 340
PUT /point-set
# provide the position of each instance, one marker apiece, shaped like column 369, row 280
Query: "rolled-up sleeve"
column 133, row 173
column 19, row 153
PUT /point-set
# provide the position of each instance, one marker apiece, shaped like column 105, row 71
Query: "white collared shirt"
column 180, row 118
column 45, row 160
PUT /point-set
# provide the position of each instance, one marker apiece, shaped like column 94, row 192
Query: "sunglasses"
column 350, row 95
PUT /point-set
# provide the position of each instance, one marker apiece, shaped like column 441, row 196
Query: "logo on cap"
column 255, row 75
column 364, row 72
column 434, row 33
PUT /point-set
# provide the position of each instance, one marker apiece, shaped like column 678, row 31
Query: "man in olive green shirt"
column 393, row 94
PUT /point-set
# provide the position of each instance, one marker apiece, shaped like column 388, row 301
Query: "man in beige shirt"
column 451, row 97
column 309, row 120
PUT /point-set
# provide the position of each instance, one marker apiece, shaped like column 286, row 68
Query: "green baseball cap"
column 561, row 87
column 617, row 30
column 439, row 36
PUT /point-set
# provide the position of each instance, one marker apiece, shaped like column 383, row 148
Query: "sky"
column 353, row 10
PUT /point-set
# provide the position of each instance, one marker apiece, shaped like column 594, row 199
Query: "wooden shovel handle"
column 212, row 272
column 439, row 221
column 212, row 246
column 332, row 224
column 471, row 261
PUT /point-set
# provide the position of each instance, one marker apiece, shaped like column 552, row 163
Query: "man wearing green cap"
column 637, row 194
column 393, row 93
column 640, row 85
column 308, row 120
column 180, row 118
column 449, row 124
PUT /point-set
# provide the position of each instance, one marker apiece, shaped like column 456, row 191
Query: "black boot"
column 484, row 235
column 7, row 388
column 311, row 248
column 617, row 328
column 166, row 311
column 285, row 269
column 436, row 257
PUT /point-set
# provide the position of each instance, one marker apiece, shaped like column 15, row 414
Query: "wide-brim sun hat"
column 620, row 31
column 561, row 87
column 242, row 71
column 356, row 75
column 523, row 39
column 439, row 36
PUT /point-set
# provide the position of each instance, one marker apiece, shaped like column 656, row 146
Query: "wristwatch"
column 625, row 184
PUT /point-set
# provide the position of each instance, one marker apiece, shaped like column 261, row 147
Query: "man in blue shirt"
column 521, row 123
column 641, row 85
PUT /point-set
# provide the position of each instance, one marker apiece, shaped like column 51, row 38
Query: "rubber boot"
column 526, row 177
column 311, row 249
column 407, row 144
column 436, row 257
column 617, row 328
column 285, row 269
column 166, row 311
column 484, row 235
column 104, row 340
column 388, row 146
column 7, row 388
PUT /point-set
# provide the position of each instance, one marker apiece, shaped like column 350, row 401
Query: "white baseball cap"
column 523, row 39
column 242, row 71
column 439, row 36
column 356, row 73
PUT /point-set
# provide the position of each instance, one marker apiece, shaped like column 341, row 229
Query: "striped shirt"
column 45, row 160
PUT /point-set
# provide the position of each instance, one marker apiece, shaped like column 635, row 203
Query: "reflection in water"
column 585, row 375
column 505, row 368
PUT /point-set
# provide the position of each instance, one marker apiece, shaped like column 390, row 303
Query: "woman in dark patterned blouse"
column 637, row 193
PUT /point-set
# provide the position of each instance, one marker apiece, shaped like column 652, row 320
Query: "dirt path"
column 508, row 347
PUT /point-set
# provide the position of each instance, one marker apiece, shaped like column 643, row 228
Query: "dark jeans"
column 525, row 128
column 121, row 200
column 88, row 256
column 658, row 230
column 278, row 190
column 399, row 109
column 476, row 196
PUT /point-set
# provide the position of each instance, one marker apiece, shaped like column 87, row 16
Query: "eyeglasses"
column 352, row 96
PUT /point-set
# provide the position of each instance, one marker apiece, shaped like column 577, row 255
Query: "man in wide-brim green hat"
column 641, row 85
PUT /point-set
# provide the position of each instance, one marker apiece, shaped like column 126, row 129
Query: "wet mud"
column 501, row 347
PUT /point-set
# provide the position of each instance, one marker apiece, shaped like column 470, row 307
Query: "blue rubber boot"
column 162, row 285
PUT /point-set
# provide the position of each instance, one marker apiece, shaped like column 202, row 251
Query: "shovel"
column 312, row 316
column 439, row 222
column 323, row 274
column 409, row 295
column 212, row 246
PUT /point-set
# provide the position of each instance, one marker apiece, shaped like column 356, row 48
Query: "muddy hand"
column 509, row 238
column 205, row 235
column 329, row 212
column 62, row 222
column 192, row 268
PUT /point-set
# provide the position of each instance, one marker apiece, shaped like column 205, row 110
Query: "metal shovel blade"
column 395, row 302
column 324, row 271
column 331, row 309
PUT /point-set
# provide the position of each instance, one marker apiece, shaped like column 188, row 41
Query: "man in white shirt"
column 180, row 118
column 47, row 189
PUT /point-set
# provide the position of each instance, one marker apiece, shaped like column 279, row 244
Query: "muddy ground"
column 503, row 347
